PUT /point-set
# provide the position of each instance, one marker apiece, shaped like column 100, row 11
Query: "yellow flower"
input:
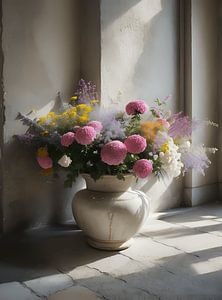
column 71, row 113
column 165, row 147
column 51, row 114
column 84, row 107
column 83, row 119
column 53, row 124
column 42, row 152
column 94, row 101
column 73, row 98
column 45, row 133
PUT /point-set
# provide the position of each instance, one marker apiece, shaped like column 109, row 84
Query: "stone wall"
column 41, row 57
column 203, row 100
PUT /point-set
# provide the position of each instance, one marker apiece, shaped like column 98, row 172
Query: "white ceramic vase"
column 109, row 212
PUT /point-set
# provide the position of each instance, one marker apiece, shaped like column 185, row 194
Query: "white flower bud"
column 65, row 161
column 155, row 157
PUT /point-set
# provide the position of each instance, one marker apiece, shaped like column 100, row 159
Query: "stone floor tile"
column 83, row 272
column 15, row 291
column 119, row 265
column 191, row 240
column 214, row 227
column 168, row 285
column 146, row 250
column 155, row 226
column 178, row 257
column 107, row 286
column 47, row 285
column 75, row 293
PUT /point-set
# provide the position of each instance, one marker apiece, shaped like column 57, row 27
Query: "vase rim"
column 108, row 183
column 107, row 175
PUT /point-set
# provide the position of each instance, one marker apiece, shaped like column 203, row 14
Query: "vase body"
column 109, row 212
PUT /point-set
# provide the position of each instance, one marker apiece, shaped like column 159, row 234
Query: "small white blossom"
column 211, row 150
column 150, row 153
column 211, row 123
column 161, row 154
column 65, row 161
column 155, row 157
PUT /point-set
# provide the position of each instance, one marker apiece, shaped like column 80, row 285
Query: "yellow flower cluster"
column 165, row 147
column 78, row 114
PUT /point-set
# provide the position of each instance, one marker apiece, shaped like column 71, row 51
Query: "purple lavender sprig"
column 181, row 126
column 86, row 92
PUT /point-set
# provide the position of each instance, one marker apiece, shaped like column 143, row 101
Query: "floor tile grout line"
column 124, row 281
column 170, row 246
column 199, row 230
column 32, row 291
column 152, row 261
column 69, row 276
column 77, row 283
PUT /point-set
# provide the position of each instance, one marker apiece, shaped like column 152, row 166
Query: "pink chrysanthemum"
column 136, row 107
column 45, row 162
column 67, row 139
column 164, row 123
column 143, row 168
column 96, row 125
column 135, row 144
column 113, row 153
column 85, row 135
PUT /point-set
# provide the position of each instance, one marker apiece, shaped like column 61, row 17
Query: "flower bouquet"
column 108, row 148
column 82, row 137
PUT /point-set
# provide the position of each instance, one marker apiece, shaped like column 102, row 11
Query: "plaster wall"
column 41, row 57
column 205, row 100
column 90, row 42
column 220, row 97
column 139, row 44
column 140, row 59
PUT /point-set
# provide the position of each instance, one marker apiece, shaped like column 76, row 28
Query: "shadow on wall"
column 114, row 12
column 38, row 47
column 38, row 200
column 33, row 200
column 39, row 44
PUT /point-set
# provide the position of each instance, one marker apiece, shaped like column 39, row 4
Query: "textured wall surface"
column 205, row 56
column 140, row 59
column 41, row 57
column 203, row 90
column 139, row 41
column 220, row 97
column 90, row 41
